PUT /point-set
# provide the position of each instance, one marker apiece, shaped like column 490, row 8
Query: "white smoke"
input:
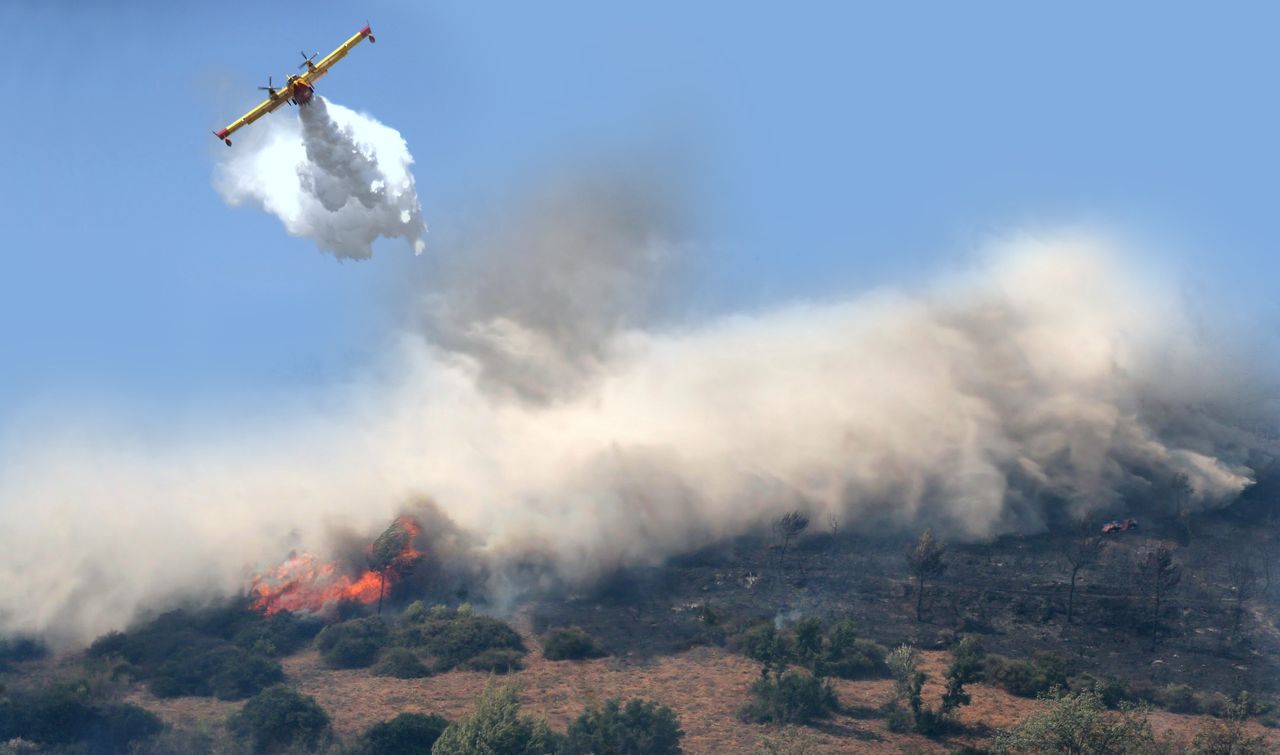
column 1046, row 381
column 332, row 175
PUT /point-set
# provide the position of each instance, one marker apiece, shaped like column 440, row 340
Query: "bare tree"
column 1242, row 576
column 1081, row 551
column 1266, row 549
column 787, row 528
column 1160, row 575
column 1180, row 490
column 924, row 558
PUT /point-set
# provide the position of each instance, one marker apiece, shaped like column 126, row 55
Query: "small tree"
column 924, row 558
column 768, row 646
column 1079, row 724
column 1162, row 575
column 496, row 726
column 966, row 668
column 788, row 527
column 1081, row 551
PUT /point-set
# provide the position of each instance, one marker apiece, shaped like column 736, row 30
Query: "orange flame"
column 301, row 583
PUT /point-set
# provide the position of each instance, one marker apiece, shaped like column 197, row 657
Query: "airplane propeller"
column 306, row 59
column 270, row 87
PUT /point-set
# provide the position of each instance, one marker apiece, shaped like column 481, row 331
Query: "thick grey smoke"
column 551, row 424
column 332, row 175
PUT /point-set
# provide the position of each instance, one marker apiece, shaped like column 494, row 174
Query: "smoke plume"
column 551, row 422
column 332, row 175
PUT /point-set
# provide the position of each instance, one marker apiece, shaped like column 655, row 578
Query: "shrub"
column 638, row 728
column 497, row 661
column 452, row 637
column 794, row 697
column 847, row 656
column 279, row 719
column 352, row 644
column 401, row 663
column 765, row 644
column 1229, row 737
column 226, row 651
column 570, row 644
column 64, row 716
column 18, row 649
column 120, row 726
column 1179, row 698
column 1027, row 678
column 219, row 670
column 1112, row 691
column 1079, row 724
column 406, row 734
column 496, row 726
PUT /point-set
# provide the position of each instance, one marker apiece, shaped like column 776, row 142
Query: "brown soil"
column 705, row 686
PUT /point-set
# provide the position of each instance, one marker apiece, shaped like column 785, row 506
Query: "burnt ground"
column 1012, row 593
column 670, row 631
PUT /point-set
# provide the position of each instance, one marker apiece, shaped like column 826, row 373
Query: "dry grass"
column 705, row 686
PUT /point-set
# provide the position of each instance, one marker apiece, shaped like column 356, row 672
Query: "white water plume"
column 332, row 175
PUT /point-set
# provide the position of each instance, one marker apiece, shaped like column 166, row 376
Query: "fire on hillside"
column 303, row 583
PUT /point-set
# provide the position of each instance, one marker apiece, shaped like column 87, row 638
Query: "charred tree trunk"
column 1071, row 594
column 919, row 598
column 382, row 588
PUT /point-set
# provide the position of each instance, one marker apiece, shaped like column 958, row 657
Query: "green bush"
column 497, row 661
column 570, row 644
column 219, row 671
column 278, row 719
column 496, row 726
column 406, row 734
column 1112, row 691
column 19, row 649
column 120, row 726
column 794, row 697
column 352, row 644
column 401, row 663
column 226, row 651
column 1078, row 723
column 764, row 643
column 454, row 636
column 1179, row 698
column 637, row 728
column 63, row 715
column 848, row 656
column 1027, row 678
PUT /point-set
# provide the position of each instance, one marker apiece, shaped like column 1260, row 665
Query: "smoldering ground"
column 561, row 432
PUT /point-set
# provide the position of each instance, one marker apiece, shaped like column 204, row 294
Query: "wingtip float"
column 298, row 89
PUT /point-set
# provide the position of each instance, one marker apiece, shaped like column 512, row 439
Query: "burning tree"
column 393, row 551
column 303, row 583
column 925, row 561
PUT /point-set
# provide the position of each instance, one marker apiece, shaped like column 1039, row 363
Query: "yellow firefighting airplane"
column 298, row 88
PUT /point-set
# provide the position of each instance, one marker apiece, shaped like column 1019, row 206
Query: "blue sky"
column 829, row 147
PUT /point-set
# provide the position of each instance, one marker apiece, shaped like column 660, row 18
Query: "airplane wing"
column 268, row 105
column 328, row 61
